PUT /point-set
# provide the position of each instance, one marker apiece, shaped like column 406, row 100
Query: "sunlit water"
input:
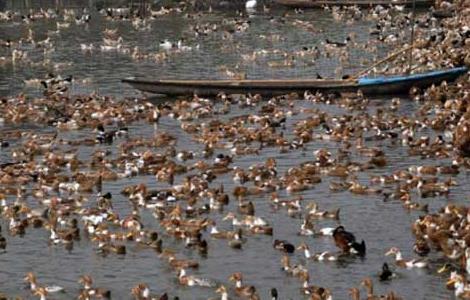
column 381, row 224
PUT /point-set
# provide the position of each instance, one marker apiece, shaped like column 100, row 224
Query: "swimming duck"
column 368, row 285
column 236, row 242
column 141, row 292
column 274, row 294
column 250, row 4
column 267, row 230
column 246, row 208
column 180, row 263
column 166, row 45
column 222, row 290
column 247, row 221
column 399, row 261
column 104, row 137
column 41, row 292
column 34, row 286
column 355, row 294
column 346, row 241
column 87, row 48
column 313, row 212
column 190, row 280
column 462, row 290
column 338, row 44
column 294, row 270
column 322, row 256
column 284, row 246
column 87, row 283
column 3, row 241
column 316, row 292
column 240, row 289
column 215, row 233
column 386, row 274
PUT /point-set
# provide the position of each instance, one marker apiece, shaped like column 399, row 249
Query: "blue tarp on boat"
column 391, row 79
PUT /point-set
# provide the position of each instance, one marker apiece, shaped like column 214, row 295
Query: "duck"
column 240, row 289
column 346, row 241
column 368, row 285
column 87, row 283
column 84, row 19
column 284, row 246
column 386, row 274
column 274, row 294
column 34, row 286
column 462, row 290
column 222, row 290
column 190, row 280
column 104, row 137
column 322, row 256
column 355, row 294
column 236, row 242
column 400, row 262
column 215, row 233
column 141, row 292
column 294, row 270
column 312, row 290
column 313, row 212
column 338, row 44
column 166, row 45
column 267, row 230
column 3, row 242
column 180, row 263
column 41, row 292
column 466, row 260
column 248, row 221
column 246, row 208
column 307, row 227
column 87, row 47
column 251, row 4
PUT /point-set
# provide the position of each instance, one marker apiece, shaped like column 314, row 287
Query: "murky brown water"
column 381, row 224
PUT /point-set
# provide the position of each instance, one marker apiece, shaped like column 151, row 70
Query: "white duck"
column 400, row 262
column 250, row 4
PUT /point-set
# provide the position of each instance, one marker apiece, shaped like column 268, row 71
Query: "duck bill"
column 390, row 252
column 442, row 269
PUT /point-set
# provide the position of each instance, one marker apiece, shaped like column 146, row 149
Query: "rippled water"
column 380, row 224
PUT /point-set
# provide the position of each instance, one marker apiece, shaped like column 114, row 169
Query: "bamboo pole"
column 412, row 36
column 388, row 58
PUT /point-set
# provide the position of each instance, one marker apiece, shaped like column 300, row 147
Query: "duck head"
column 237, row 278
column 86, row 280
column 392, row 251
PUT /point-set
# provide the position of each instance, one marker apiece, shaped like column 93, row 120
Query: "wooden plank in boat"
column 361, row 3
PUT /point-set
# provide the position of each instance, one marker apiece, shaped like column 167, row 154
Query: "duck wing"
column 348, row 236
column 54, row 289
column 344, row 240
column 359, row 249
column 204, row 282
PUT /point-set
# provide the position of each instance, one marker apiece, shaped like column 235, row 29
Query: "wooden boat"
column 360, row 3
column 368, row 85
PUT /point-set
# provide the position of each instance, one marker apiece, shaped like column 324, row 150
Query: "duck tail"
column 336, row 214
column 425, row 207
column 360, row 249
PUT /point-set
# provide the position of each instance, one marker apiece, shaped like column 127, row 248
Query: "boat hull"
column 369, row 86
column 360, row 3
